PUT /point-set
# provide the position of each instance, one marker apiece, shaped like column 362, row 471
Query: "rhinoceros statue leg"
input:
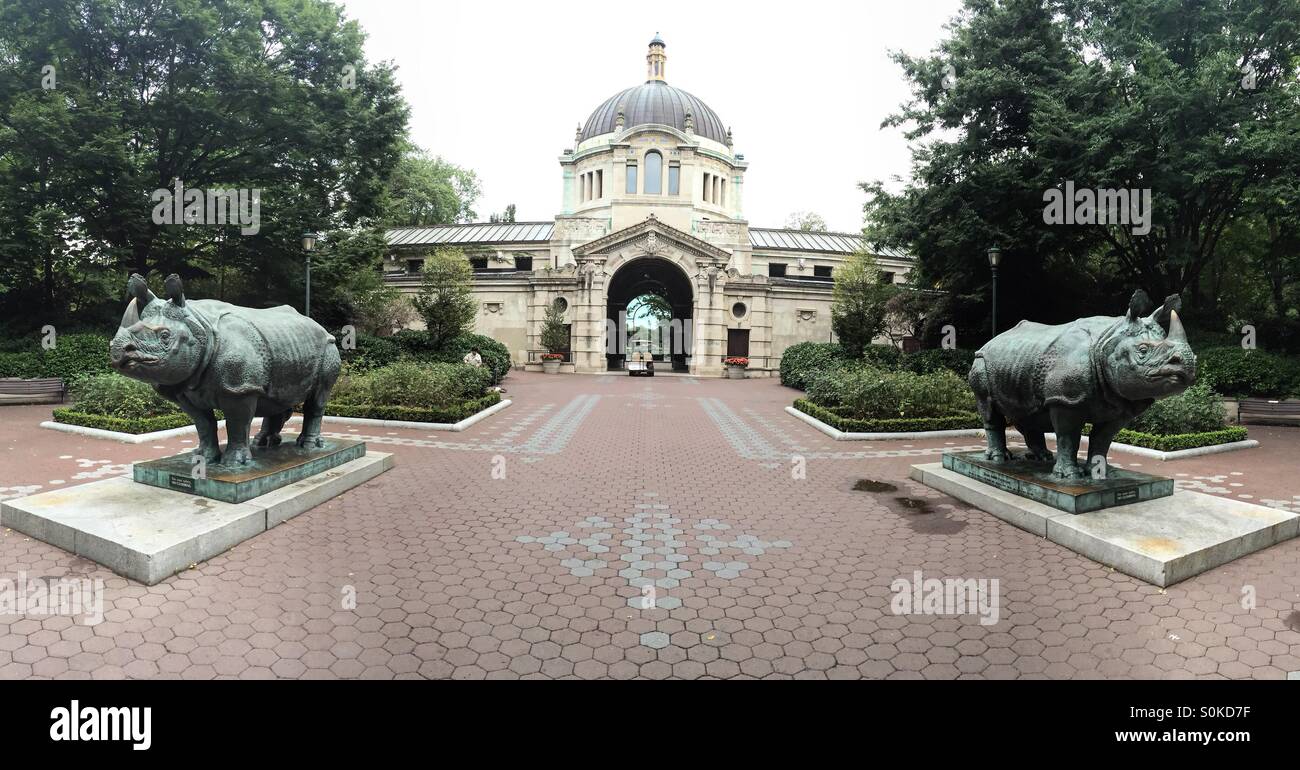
column 1099, row 440
column 313, row 407
column 1036, row 440
column 995, row 423
column 205, row 423
column 269, row 434
column 1068, row 426
column 239, row 420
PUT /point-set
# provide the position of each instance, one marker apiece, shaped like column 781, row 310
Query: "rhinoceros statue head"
column 159, row 341
column 1148, row 356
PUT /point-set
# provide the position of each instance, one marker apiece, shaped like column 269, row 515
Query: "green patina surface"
column 270, row 469
column 1036, row 481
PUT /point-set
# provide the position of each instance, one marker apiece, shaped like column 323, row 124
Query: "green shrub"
column 1195, row 410
column 26, row 365
column 413, row 384
column 804, row 359
column 72, row 356
column 1181, row 441
column 882, row 356
column 867, row 393
column 953, row 359
column 1237, row 372
column 496, row 357
column 445, row 414
column 958, row 421
column 372, row 352
column 132, row 425
column 114, row 395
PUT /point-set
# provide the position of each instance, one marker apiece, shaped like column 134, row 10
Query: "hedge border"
column 1179, row 441
column 961, row 421
column 132, row 425
column 453, row 414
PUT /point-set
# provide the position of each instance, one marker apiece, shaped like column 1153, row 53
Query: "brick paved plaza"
column 522, row 548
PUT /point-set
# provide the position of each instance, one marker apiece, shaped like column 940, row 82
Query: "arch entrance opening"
column 650, row 303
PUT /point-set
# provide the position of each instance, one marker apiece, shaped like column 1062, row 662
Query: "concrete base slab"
column 1161, row 541
column 149, row 534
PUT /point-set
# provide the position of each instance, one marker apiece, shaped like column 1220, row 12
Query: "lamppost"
column 995, row 256
column 308, row 245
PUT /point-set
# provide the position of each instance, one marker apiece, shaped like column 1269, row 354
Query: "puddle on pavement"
column 923, row 519
column 917, row 512
column 870, row 485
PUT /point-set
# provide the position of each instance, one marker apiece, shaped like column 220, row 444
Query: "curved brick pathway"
column 623, row 527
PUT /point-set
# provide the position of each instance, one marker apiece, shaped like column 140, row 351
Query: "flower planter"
column 736, row 372
column 551, row 367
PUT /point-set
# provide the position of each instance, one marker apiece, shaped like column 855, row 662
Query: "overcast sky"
column 499, row 86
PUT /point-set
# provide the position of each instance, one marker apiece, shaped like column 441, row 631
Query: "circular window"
column 561, row 304
column 739, row 310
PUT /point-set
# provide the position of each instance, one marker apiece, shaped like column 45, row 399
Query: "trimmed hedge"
column 1173, row 443
column 133, row 425
column 959, row 421
column 1234, row 371
column 72, row 356
column 802, row 360
column 448, row 414
column 372, row 352
column 954, row 360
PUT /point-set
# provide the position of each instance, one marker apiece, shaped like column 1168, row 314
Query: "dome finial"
column 656, row 60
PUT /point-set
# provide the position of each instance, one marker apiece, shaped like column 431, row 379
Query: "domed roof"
column 654, row 102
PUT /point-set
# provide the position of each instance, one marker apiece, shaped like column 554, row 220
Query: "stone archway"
column 660, row 277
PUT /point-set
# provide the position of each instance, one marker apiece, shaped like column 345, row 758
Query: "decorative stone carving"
column 727, row 230
column 652, row 243
column 492, row 308
column 806, row 315
column 579, row 228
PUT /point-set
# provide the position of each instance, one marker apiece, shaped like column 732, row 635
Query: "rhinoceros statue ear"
column 175, row 291
column 1162, row 314
column 1138, row 306
column 136, row 287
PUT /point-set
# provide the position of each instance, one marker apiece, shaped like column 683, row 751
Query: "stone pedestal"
column 271, row 468
column 1161, row 541
column 148, row 533
column 1035, row 481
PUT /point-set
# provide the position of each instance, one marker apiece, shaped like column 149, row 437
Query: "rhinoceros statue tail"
column 207, row 355
column 1103, row 370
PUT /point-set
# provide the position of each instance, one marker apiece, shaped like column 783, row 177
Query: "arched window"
column 654, row 173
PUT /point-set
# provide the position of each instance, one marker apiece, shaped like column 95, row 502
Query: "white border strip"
column 1154, row 454
column 125, row 438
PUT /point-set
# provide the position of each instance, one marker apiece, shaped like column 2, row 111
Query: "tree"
column 858, row 303
column 506, row 217
column 806, row 221
column 252, row 95
column 906, row 313
column 374, row 307
column 427, row 190
column 446, row 298
column 555, row 335
column 1025, row 95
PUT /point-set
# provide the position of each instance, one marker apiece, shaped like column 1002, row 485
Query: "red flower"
column 737, row 361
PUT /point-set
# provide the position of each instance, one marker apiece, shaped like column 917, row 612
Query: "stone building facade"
column 652, row 204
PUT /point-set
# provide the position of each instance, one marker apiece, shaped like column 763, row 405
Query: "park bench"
column 1269, row 410
column 44, row 390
